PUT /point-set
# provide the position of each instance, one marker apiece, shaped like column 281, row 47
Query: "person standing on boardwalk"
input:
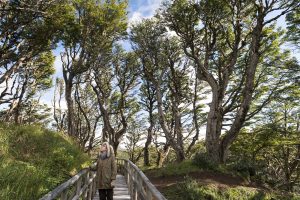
column 106, row 171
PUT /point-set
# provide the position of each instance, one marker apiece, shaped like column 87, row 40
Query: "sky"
column 139, row 9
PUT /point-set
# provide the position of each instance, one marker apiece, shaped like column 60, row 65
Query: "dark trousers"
column 106, row 194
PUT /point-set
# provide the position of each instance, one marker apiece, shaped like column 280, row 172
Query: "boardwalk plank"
column 120, row 190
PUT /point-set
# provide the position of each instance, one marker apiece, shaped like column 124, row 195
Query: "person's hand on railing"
column 93, row 167
column 113, row 183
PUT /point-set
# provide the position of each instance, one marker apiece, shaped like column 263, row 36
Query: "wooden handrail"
column 139, row 185
column 84, row 183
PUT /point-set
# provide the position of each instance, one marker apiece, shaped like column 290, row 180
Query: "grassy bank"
column 34, row 160
column 186, row 181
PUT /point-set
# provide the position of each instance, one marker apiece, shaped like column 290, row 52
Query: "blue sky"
column 142, row 8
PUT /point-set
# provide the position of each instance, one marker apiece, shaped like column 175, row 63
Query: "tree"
column 148, row 100
column 87, row 115
column 88, row 34
column 114, row 82
column 33, row 112
column 271, row 150
column 168, row 70
column 35, row 76
column 227, row 47
column 59, row 113
column 293, row 26
column 27, row 29
column 134, row 135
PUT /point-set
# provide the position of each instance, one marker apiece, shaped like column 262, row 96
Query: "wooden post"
column 78, row 185
column 135, row 186
column 149, row 194
column 64, row 195
column 90, row 195
column 94, row 185
column 129, row 178
column 132, row 179
column 138, row 185
column 90, row 187
column 87, row 179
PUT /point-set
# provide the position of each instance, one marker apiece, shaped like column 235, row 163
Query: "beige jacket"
column 106, row 169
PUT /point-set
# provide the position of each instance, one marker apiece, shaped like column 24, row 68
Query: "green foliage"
column 44, row 70
column 243, row 167
column 171, row 192
column 172, row 169
column 199, row 146
column 35, row 160
column 94, row 25
column 203, row 161
column 192, row 190
column 293, row 22
column 266, row 153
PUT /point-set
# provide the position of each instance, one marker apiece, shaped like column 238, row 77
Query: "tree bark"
column 70, row 105
column 176, row 146
column 162, row 155
column 247, row 90
column 17, row 111
column 149, row 138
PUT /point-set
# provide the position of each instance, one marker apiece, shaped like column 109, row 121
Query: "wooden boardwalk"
column 120, row 190
column 84, row 183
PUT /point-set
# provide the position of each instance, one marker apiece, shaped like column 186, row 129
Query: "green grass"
column 173, row 192
column 34, row 160
column 182, row 168
column 192, row 190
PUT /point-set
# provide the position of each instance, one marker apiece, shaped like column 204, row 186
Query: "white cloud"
column 136, row 17
column 145, row 10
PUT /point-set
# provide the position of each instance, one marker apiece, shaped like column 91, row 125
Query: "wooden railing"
column 83, row 185
column 80, row 186
column 139, row 185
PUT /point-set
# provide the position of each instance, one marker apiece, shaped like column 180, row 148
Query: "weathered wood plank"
column 120, row 190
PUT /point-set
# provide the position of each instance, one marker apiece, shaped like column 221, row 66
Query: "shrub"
column 245, row 168
column 185, row 167
column 203, row 161
column 192, row 190
column 33, row 161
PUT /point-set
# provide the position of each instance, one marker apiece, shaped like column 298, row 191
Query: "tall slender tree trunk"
column 149, row 138
column 70, row 106
column 178, row 147
column 180, row 155
column 17, row 112
column 115, row 146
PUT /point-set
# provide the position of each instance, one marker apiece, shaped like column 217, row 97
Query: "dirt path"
column 203, row 177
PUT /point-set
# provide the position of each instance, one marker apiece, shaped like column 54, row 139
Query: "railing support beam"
column 139, row 186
